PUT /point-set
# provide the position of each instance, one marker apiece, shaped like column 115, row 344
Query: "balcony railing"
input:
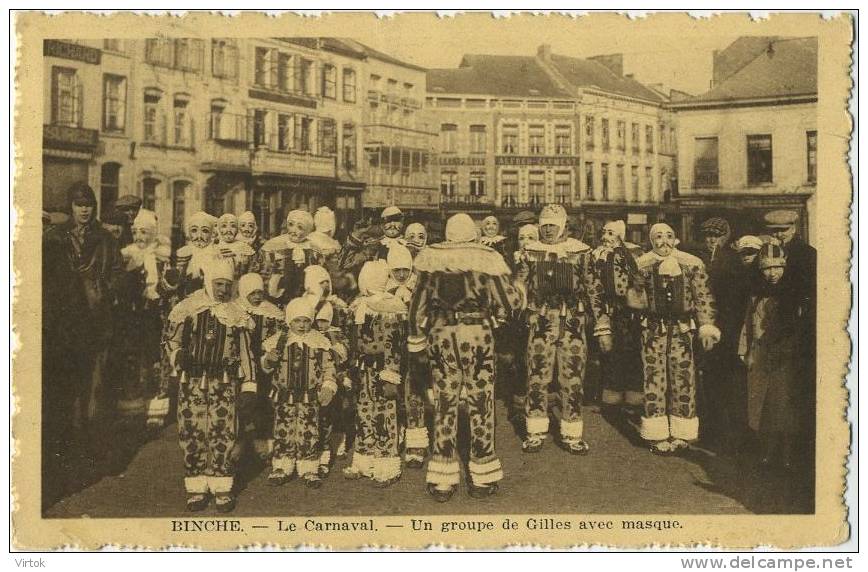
column 534, row 202
column 383, row 135
column 269, row 159
column 465, row 200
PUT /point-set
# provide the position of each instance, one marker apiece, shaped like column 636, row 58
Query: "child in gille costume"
column 402, row 281
column 379, row 340
column 208, row 340
column 268, row 320
column 304, row 381
column 332, row 419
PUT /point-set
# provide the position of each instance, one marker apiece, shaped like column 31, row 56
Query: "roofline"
column 463, row 95
column 598, row 91
column 808, row 97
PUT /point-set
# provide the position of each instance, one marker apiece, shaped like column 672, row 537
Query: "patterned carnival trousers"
column 297, row 443
column 375, row 452
column 557, row 346
column 670, row 383
column 462, row 368
column 207, row 431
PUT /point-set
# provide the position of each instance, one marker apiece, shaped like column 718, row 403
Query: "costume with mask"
column 151, row 286
column 208, row 340
column 323, row 235
column 563, row 293
column 286, row 257
column 379, row 338
column 392, row 223
column 415, row 237
column 338, row 416
column 229, row 247
column 615, row 265
column 268, row 320
column 193, row 256
column 303, row 382
column 463, row 292
column 416, row 435
column 248, row 232
column 491, row 236
column 333, row 418
column 671, row 291
column 770, row 346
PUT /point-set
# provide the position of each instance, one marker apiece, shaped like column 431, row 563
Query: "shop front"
column 67, row 155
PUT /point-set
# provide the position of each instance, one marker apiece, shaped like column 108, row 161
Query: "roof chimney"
column 615, row 62
column 544, row 52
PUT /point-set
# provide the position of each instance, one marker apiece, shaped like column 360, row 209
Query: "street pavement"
column 618, row 476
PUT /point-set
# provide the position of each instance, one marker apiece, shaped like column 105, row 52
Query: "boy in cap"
column 615, row 263
column 379, row 338
column 129, row 205
column 563, row 293
column 304, row 381
column 671, row 290
column 287, row 255
column 208, row 339
column 464, row 291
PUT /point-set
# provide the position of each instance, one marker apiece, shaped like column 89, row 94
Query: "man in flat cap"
column 801, row 258
column 129, row 205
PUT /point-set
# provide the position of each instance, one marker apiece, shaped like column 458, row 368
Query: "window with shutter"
column 509, row 187
column 329, row 81
column 260, row 69
column 349, row 83
column 152, row 125
column 114, row 103
column 67, row 95
column 284, row 71
column 589, row 132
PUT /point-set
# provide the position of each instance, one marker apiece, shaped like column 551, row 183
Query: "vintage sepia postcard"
column 354, row 280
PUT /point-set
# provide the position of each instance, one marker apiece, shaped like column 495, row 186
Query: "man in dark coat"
column 81, row 267
column 798, row 290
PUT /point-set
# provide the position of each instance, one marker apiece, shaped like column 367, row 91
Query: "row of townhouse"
column 272, row 124
column 517, row 132
column 228, row 125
